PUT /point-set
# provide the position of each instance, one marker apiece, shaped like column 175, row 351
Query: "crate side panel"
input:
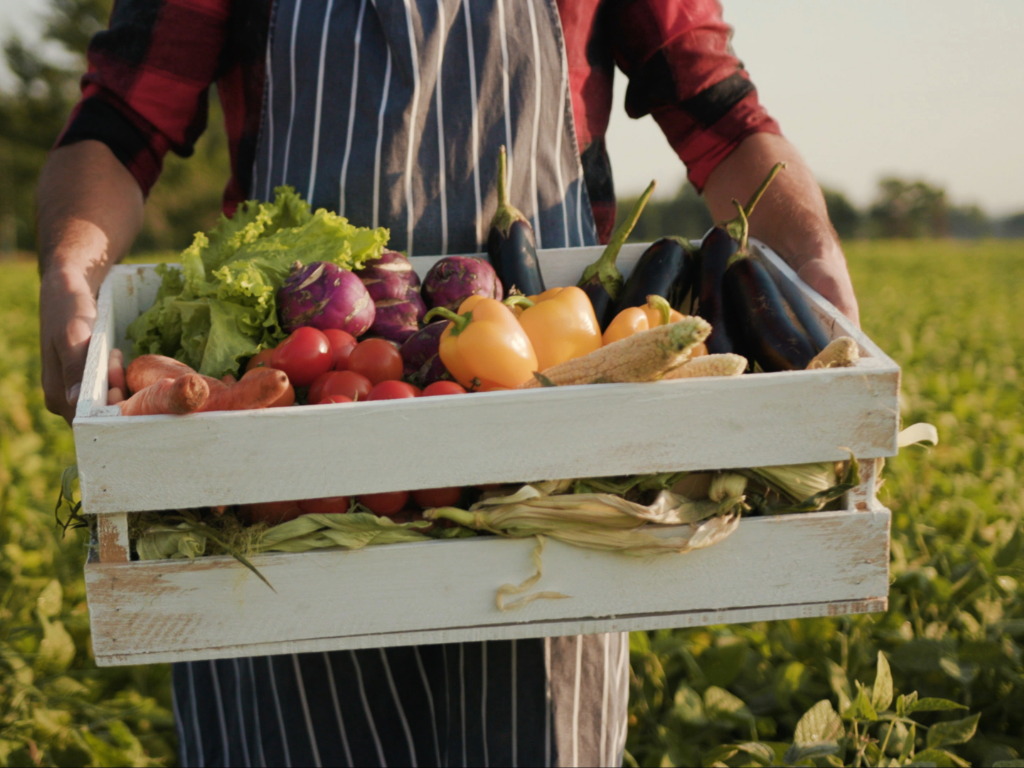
column 175, row 606
column 166, row 462
column 631, row 623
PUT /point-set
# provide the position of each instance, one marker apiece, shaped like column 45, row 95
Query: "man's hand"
column 90, row 209
column 791, row 216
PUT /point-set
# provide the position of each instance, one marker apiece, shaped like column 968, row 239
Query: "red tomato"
column 443, row 388
column 376, row 359
column 270, row 512
column 385, row 504
column 330, row 505
column 259, row 360
column 288, row 398
column 351, row 385
column 342, row 345
column 392, row 390
column 303, row 356
column 336, row 399
column 437, row 497
column 316, row 389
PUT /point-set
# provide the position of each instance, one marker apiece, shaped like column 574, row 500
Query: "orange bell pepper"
column 560, row 322
column 484, row 347
column 635, row 319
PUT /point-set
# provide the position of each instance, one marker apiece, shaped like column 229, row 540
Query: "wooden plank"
column 632, row 623
column 94, row 377
column 162, row 462
column 112, row 536
column 172, row 607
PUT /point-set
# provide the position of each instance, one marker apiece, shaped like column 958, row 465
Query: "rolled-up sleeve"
column 682, row 71
column 146, row 89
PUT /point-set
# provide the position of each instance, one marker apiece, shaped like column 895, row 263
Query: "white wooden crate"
column 799, row 565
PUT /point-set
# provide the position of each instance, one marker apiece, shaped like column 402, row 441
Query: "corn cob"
column 840, row 353
column 644, row 356
column 725, row 364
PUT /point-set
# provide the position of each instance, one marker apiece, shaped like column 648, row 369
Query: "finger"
column 115, row 370
column 54, row 393
column 833, row 283
column 115, row 395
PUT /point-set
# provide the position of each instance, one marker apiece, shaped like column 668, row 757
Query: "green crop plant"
column 948, row 312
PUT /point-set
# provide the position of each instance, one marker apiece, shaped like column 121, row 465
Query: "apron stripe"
column 442, row 166
column 241, row 714
column 515, row 706
column 380, row 141
column 291, row 111
column 354, row 89
column 410, row 208
column 193, row 705
column 509, row 144
column 366, row 709
column 319, row 101
column 563, row 85
column 398, row 705
column 305, row 710
column 337, row 709
column 221, row 720
column 475, row 130
column 430, row 701
column 270, row 120
column 483, row 699
column 280, row 714
column 256, row 714
column 536, row 121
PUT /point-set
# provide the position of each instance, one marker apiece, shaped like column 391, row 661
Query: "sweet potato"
column 184, row 394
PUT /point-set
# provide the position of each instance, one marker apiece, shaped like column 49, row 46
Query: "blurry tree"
column 969, row 222
column 1010, row 226
column 844, row 215
column 33, row 112
column 908, row 209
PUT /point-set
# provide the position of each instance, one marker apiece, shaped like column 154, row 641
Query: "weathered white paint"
column 161, row 462
column 817, row 564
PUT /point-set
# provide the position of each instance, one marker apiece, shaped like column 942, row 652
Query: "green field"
column 951, row 313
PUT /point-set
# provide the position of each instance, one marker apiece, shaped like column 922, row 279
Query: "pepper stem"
column 459, row 322
column 664, row 308
column 604, row 268
column 517, row 300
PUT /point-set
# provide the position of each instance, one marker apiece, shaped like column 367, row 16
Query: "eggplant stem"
column 756, row 197
column 502, row 178
column 664, row 308
column 738, row 227
column 459, row 322
column 604, row 268
column 744, row 228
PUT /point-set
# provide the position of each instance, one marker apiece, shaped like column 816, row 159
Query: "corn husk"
column 601, row 520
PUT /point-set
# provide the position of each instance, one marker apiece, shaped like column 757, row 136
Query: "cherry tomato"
column 437, row 497
column 392, row 390
column 259, row 360
column 342, row 345
column 270, row 512
column 330, row 505
column 286, row 399
column 385, row 504
column 376, row 359
column 443, row 388
column 336, row 399
column 303, row 356
column 347, row 383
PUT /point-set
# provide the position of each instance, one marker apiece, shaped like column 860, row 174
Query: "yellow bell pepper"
column 484, row 347
column 560, row 322
column 635, row 319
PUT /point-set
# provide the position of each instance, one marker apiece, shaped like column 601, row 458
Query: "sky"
column 930, row 89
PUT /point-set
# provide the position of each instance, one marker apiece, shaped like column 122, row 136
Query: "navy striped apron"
column 391, row 112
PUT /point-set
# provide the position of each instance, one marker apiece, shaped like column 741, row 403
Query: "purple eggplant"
column 423, row 364
column 398, row 319
column 511, row 244
column 323, row 295
column 454, row 279
column 389, row 277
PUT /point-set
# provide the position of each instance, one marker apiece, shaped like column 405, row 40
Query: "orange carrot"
column 259, row 388
column 184, row 394
column 146, row 370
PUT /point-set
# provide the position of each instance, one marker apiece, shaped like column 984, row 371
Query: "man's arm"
column 89, row 212
column 791, row 217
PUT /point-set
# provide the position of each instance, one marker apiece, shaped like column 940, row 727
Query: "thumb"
column 73, row 355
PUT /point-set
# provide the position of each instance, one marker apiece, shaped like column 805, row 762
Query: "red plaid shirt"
column 149, row 75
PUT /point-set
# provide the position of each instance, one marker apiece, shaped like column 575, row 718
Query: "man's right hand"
column 90, row 209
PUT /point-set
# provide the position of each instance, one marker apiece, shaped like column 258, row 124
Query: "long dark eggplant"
column 716, row 249
column 757, row 316
column 667, row 269
column 602, row 280
column 511, row 245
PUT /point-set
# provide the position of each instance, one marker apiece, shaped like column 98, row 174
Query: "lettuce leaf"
column 220, row 306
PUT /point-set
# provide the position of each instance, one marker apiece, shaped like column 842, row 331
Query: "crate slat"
column 213, row 607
